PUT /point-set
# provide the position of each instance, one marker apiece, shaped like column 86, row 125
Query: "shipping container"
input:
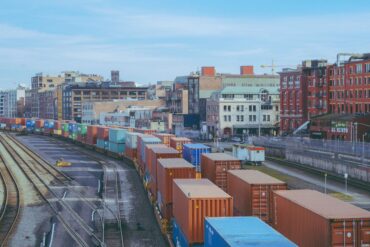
column 117, row 135
column 30, row 123
column 57, row 125
column 39, row 124
column 249, row 153
column 102, row 144
column 242, row 232
column 103, row 133
column 145, row 131
column 179, row 238
column 131, row 139
column 310, row 218
column 139, row 150
column 178, row 142
column 215, row 166
column 118, row 148
column 148, row 157
column 165, row 138
column 130, row 152
column 91, row 136
column 253, row 193
column 167, row 170
column 147, row 141
column 192, row 152
column 159, row 153
column 195, row 199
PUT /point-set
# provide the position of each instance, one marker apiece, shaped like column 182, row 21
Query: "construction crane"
column 273, row 66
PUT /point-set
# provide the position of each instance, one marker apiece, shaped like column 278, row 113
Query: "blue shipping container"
column 30, row 123
column 116, row 147
column 192, row 152
column 178, row 237
column 242, row 231
column 72, row 128
column 117, row 135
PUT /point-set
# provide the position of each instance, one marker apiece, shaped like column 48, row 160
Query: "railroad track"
column 37, row 174
column 11, row 206
column 109, row 235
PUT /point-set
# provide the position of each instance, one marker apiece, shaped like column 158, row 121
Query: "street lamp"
column 345, row 182
column 325, row 175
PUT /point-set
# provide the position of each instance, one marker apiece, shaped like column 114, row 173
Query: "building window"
column 254, row 118
column 358, row 68
column 237, row 118
column 242, row 118
column 229, row 108
column 229, row 118
column 225, row 107
column 264, row 118
column 250, row 118
column 367, row 68
column 268, row 118
column 225, row 118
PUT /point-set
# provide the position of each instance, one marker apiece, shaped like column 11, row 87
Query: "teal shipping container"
column 101, row 143
column 117, row 135
column 242, row 231
column 116, row 147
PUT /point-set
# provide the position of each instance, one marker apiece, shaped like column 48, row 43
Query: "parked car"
column 236, row 139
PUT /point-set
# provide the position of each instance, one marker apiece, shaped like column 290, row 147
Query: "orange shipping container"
column 195, row 199
column 57, row 125
column 147, row 164
column 130, row 153
column 159, row 153
column 310, row 218
column 253, row 193
column 216, row 165
column 92, row 134
column 178, row 142
column 103, row 133
column 138, row 149
column 167, row 170
column 165, row 138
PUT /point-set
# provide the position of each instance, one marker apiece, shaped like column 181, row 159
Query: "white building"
column 12, row 102
column 243, row 111
column 131, row 117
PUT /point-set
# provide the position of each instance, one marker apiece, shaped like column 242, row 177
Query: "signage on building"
column 339, row 127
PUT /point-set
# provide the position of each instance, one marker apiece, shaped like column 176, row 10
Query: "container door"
column 344, row 233
column 270, row 200
column 363, row 227
column 259, row 202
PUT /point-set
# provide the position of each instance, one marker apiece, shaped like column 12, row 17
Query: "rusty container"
column 253, row 193
column 131, row 153
column 103, row 133
column 178, row 142
column 92, row 134
column 195, row 199
column 311, row 218
column 165, row 138
column 57, row 125
column 215, row 167
column 147, row 164
column 159, row 153
column 167, row 170
column 145, row 131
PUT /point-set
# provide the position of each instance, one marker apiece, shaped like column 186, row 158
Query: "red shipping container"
column 310, row 218
column 130, row 153
column 147, row 164
column 103, row 133
column 216, row 165
column 39, row 123
column 165, row 138
column 23, row 121
column 178, row 142
column 139, row 148
column 57, row 125
column 167, row 170
column 195, row 199
column 253, row 193
column 159, row 153
column 92, row 134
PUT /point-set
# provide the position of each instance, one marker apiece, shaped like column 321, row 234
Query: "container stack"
column 165, row 138
column 91, row 136
column 178, row 142
column 30, row 124
column 131, row 145
column 57, row 128
column 144, row 140
column 168, row 170
column 117, row 140
column 102, row 138
column 148, row 158
column 145, row 131
column 72, row 131
column 81, row 132
column 311, row 218
column 253, row 193
column 48, row 127
column 193, row 200
column 65, row 129
column 155, row 154
column 242, row 231
column 215, row 166
column 39, row 125
column 192, row 152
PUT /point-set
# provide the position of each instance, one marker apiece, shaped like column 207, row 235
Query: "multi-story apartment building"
column 349, row 86
column 76, row 94
column 303, row 94
column 12, row 102
column 243, row 111
column 48, row 104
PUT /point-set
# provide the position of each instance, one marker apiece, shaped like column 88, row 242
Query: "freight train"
column 204, row 199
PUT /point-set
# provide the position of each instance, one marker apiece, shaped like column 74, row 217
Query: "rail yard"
column 83, row 185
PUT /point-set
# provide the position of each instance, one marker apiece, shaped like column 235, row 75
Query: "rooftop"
column 175, row 163
column 324, row 205
column 219, row 156
column 249, row 90
column 255, row 177
column 164, row 150
column 200, row 188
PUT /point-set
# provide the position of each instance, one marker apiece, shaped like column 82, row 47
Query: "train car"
column 249, row 154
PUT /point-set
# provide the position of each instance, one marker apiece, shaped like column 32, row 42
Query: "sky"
column 151, row 40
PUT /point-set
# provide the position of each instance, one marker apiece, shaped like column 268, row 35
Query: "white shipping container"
column 131, row 139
